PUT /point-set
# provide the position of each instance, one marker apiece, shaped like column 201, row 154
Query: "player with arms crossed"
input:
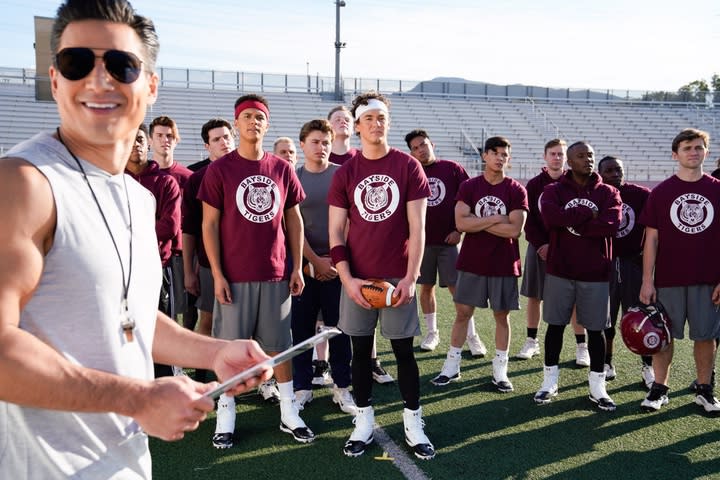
column 680, row 264
column 582, row 215
column 378, row 198
column 491, row 209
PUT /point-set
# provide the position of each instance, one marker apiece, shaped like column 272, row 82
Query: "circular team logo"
column 258, row 199
column 580, row 201
column 627, row 221
column 691, row 213
column 376, row 197
column 490, row 205
column 651, row 340
column 437, row 191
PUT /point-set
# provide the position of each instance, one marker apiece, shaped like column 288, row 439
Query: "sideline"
column 402, row 461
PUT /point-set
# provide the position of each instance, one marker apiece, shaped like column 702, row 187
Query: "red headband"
column 252, row 104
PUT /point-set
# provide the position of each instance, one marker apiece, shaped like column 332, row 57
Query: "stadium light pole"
column 338, row 46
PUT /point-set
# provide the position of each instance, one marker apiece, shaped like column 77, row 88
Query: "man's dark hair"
column 607, row 158
column 688, row 135
column 116, row 11
column 319, row 124
column 418, row 132
column 165, row 121
column 577, row 144
column 364, row 98
column 213, row 123
column 493, row 143
column 252, row 96
column 144, row 129
column 339, row 108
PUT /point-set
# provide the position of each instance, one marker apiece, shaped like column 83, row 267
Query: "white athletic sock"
column 431, row 321
column 502, row 354
column 454, row 352
column 471, row 327
column 225, row 420
column 286, row 389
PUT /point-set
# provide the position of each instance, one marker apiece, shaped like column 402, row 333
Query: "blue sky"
column 620, row 44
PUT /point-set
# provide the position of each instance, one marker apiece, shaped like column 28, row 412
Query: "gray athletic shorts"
column 179, row 295
column 693, row 305
column 533, row 281
column 477, row 290
column 395, row 322
column 439, row 261
column 206, row 300
column 260, row 310
column 592, row 300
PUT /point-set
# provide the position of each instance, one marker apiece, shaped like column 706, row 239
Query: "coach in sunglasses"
column 80, row 273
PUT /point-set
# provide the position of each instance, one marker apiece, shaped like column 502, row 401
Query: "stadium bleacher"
column 639, row 132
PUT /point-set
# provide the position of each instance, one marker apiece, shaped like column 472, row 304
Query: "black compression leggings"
column 553, row 345
column 408, row 374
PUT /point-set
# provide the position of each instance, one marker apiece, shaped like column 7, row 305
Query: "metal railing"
column 325, row 85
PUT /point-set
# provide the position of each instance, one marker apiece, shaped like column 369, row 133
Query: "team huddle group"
column 266, row 250
column 283, row 248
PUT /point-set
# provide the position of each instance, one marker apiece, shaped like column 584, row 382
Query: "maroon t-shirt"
column 192, row 214
column 341, row 159
column 444, row 178
column 483, row 253
column 251, row 196
column 580, row 245
column 167, row 206
column 688, row 232
column 375, row 193
column 535, row 231
column 628, row 241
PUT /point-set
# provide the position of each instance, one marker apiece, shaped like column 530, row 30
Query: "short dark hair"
column 213, row 123
column 577, row 144
column 496, row 142
column 418, row 132
column 165, row 121
column 554, row 143
column 364, row 98
column 690, row 134
column 115, row 11
column 144, row 129
column 319, row 124
column 607, row 158
column 339, row 108
column 252, row 96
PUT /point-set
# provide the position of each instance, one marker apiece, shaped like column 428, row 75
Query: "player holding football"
column 491, row 209
column 680, row 262
column 626, row 275
column 582, row 215
column 377, row 202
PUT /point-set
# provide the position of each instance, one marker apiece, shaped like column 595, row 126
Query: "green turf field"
column 478, row 433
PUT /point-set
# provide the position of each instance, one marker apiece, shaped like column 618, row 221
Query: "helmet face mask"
column 645, row 329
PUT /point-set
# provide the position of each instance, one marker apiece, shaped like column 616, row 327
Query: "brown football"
column 379, row 293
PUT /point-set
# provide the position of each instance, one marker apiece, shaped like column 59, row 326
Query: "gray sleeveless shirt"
column 76, row 310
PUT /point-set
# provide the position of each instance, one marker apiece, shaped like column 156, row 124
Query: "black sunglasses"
column 76, row 63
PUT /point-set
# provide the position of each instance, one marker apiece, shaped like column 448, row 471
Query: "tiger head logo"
column 259, row 198
column 376, row 198
column 691, row 213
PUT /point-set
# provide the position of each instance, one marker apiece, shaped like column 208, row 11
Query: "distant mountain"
column 460, row 86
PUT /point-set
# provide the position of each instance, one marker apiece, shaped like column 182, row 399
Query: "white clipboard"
column 324, row 334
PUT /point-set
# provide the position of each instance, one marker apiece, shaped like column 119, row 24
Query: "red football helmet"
column 645, row 329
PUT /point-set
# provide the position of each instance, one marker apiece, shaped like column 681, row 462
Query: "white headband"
column 373, row 104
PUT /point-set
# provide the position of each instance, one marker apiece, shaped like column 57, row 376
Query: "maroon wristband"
column 338, row 254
